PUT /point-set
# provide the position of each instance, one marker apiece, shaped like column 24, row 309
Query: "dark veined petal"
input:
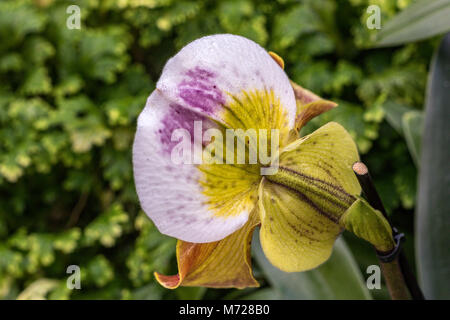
column 301, row 205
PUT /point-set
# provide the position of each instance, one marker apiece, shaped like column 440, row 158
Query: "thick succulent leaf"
column 221, row 264
column 412, row 124
column 263, row 294
column 421, row 20
column 325, row 282
column 394, row 114
column 407, row 122
column 433, row 208
column 190, row 293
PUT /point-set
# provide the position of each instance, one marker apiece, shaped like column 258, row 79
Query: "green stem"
column 395, row 281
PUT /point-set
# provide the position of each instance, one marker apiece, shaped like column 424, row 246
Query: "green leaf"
column 421, row 20
column 324, row 283
column 394, row 114
column 99, row 271
column 152, row 251
column 350, row 116
column 179, row 13
column 263, row 294
column 433, row 208
column 190, row 293
column 152, row 291
column 405, row 179
column 38, row 289
column 288, row 26
column 107, row 227
column 67, row 241
column 412, row 123
column 11, row 262
column 37, row 82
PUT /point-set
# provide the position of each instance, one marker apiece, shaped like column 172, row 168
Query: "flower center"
column 256, row 118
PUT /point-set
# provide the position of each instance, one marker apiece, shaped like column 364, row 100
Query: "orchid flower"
column 229, row 82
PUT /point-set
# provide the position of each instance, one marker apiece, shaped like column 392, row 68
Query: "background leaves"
column 422, row 20
column 69, row 100
column 432, row 219
column 327, row 282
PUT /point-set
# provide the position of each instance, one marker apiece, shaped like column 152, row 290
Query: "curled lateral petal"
column 309, row 105
column 221, row 264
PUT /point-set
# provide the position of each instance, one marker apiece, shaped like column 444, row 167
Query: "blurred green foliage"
column 69, row 100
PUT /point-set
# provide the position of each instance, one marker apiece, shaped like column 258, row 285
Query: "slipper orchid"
column 212, row 207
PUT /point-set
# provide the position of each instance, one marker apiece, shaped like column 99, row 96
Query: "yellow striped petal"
column 301, row 205
column 327, row 154
column 294, row 235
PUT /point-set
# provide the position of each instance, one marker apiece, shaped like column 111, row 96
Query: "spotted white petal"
column 172, row 194
column 226, row 82
column 207, row 73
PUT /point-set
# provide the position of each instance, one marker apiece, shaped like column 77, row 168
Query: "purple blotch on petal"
column 199, row 90
column 178, row 117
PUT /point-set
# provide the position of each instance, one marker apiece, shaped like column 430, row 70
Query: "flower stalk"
column 401, row 282
column 394, row 280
